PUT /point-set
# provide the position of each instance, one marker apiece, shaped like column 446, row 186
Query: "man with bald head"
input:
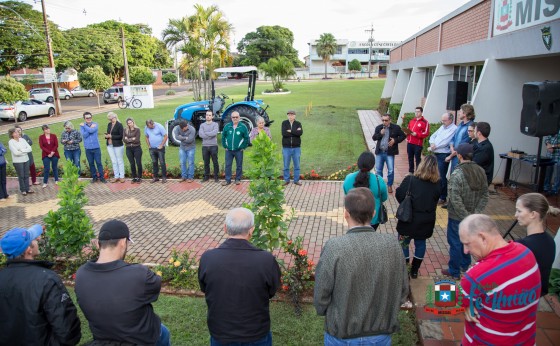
column 235, row 138
column 501, row 292
column 238, row 280
column 440, row 145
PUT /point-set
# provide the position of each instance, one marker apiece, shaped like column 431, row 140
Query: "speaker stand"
column 537, row 171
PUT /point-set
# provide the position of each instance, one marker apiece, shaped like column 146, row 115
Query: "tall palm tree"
column 326, row 46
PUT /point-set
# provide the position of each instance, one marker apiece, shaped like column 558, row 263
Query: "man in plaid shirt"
column 552, row 143
column 71, row 139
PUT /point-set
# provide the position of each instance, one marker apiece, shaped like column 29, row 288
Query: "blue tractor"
column 249, row 109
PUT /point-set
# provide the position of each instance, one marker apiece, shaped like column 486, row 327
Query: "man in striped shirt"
column 501, row 291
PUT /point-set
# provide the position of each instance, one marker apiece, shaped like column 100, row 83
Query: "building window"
column 428, row 78
column 358, row 51
column 338, row 50
column 469, row 74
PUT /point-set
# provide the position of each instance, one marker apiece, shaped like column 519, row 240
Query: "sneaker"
column 114, row 180
column 56, row 182
column 446, row 273
column 122, row 180
column 24, row 193
column 154, row 180
column 183, row 180
column 286, row 183
column 44, row 185
column 163, row 180
column 390, row 189
column 226, row 183
column 30, row 191
column 104, row 181
column 216, row 180
column 189, row 181
column 237, row 182
column 36, row 183
column 205, row 180
column 138, row 180
column 297, row 183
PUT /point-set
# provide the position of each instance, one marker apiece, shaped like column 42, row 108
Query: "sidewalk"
column 190, row 217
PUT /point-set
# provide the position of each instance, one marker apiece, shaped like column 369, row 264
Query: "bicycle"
column 132, row 101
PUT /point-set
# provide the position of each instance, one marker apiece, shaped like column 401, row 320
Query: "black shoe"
column 205, row 179
column 104, row 181
column 93, row 181
column 226, row 183
column 216, row 180
column 286, row 183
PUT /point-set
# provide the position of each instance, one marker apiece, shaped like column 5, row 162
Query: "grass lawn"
column 332, row 137
column 186, row 319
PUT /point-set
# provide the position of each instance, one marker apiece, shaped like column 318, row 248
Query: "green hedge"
column 394, row 110
column 433, row 128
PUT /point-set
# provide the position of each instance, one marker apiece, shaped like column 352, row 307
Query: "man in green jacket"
column 235, row 138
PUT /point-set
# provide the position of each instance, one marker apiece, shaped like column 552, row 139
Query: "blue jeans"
column 164, row 337
column 266, row 341
column 3, row 187
column 419, row 248
column 117, row 160
column 457, row 258
column 158, row 159
column 442, row 168
column 74, row 157
column 414, row 153
column 94, row 159
column 380, row 160
column 187, row 156
column 454, row 163
column 47, row 162
column 376, row 340
column 548, row 178
column 291, row 154
column 238, row 156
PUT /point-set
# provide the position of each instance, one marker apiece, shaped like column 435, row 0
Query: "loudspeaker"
column 540, row 114
column 456, row 94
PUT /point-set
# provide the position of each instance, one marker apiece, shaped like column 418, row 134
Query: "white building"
column 495, row 46
column 348, row 51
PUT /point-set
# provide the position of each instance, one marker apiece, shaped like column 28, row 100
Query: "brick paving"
column 190, row 216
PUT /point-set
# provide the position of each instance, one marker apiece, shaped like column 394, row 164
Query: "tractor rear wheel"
column 248, row 116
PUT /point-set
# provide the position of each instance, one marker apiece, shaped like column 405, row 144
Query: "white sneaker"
column 44, row 185
column 56, row 182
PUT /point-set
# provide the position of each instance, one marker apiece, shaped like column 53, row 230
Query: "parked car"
column 64, row 93
column 223, row 76
column 46, row 94
column 113, row 94
column 25, row 109
column 79, row 92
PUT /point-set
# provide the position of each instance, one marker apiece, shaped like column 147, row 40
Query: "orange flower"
column 290, row 242
column 285, row 287
column 349, row 167
column 310, row 263
column 312, row 171
column 302, row 252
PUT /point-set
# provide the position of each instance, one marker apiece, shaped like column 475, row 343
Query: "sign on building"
column 512, row 15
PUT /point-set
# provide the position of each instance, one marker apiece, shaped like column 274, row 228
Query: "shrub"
column 181, row 271
column 384, row 105
column 170, row 92
column 298, row 278
column 433, row 128
column 268, row 195
column 394, row 110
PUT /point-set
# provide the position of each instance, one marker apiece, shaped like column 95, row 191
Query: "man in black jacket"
column 116, row 297
column 238, row 280
column 35, row 306
column 291, row 146
column 388, row 136
column 483, row 150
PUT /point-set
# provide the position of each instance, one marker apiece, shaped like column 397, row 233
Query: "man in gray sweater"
column 208, row 131
column 361, row 279
column 187, row 135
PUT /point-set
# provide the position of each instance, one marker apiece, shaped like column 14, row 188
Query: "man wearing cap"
column 291, row 146
column 35, row 306
column 89, row 130
column 238, row 280
column 468, row 194
column 116, row 296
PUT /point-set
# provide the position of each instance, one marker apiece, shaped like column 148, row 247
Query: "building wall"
column 467, row 27
column 428, row 42
column 408, row 50
column 396, row 55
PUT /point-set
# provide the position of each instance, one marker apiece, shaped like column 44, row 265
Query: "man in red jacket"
column 419, row 129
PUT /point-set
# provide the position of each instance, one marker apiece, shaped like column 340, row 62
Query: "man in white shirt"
column 439, row 145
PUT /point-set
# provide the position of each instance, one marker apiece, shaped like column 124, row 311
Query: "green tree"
column 169, row 78
column 278, row 69
column 265, row 43
column 355, row 65
column 267, row 192
column 141, row 75
column 326, row 46
column 94, row 78
column 11, row 90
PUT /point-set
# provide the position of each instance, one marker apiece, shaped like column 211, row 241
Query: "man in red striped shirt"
column 419, row 129
column 501, row 291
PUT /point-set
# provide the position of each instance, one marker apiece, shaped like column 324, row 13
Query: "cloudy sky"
column 393, row 20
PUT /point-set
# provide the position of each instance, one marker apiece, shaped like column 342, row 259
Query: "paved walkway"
column 190, row 217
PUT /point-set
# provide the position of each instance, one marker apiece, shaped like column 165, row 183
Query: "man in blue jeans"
column 440, row 145
column 291, row 146
column 186, row 134
column 235, row 138
column 156, row 137
column 388, row 137
column 89, row 130
column 468, row 194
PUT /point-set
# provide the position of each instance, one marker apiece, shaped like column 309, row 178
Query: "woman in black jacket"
column 115, row 146
column 425, row 192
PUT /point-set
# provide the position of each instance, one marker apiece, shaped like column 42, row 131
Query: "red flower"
column 349, row 167
column 310, row 263
column 302, row 252
column 285, row 287
column 312, row 171
column 74, row 276
column 290, row 242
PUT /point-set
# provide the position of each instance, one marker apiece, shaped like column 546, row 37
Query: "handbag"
column 404, row 211
column 382, row 218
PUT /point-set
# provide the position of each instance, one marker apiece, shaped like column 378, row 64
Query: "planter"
column 276, row 93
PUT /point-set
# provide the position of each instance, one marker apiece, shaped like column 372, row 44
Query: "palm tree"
column 326, row 46
column 278, row 69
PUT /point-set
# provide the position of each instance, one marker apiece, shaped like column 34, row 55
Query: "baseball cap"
column 464, row 149
column 114, row 229
column 16, row 240
column 291, row 111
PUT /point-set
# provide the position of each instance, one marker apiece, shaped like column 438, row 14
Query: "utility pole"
column 126, row 76
column 370, row 40
column 51, row 61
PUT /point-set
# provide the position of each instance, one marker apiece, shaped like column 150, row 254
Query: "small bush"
column 297, row 279
column 181, row 271
column 384, row 105
column 394, row 110
column 170, row 92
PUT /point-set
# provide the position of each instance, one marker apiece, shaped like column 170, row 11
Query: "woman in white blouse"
column 19, row 149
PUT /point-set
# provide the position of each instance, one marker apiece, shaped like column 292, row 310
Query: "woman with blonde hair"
column 133, row 150
column 19, row 149
column 531, row 210
column 115, row 146
column 425, row 190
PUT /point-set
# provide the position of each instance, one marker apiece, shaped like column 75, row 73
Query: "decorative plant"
column 298, row 278
column 266, row 189
column 69, row 230
column 181, row 270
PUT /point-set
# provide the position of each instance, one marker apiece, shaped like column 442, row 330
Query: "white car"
column 25, row 109
column 46, row 94
column 223, row 76
column 64, row 93
column 79, row 92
